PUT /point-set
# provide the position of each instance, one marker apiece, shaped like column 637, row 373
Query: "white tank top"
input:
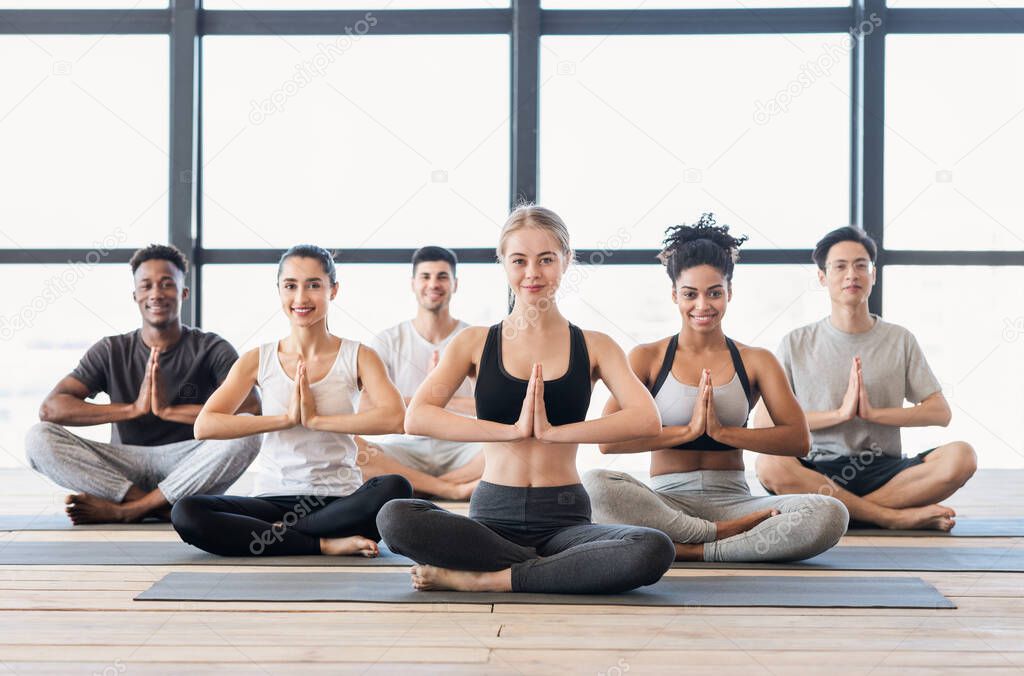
column 300, row 461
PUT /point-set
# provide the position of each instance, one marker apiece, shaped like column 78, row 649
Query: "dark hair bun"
column 703, row 243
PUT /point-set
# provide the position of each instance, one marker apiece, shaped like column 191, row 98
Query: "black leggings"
column 543, row 534
column 230, row 525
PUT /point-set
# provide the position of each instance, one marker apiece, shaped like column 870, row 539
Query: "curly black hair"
column 160, row 252
column 703, row 243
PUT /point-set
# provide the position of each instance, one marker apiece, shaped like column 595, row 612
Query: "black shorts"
column 864, row 473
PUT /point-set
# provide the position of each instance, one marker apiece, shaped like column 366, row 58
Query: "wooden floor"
column 82, row 620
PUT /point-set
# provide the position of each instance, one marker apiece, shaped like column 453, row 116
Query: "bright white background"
column 403, row 141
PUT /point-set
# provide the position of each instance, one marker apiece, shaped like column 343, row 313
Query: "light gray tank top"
column 676, row 400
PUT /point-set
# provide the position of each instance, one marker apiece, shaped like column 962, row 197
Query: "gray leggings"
column 686, row 505
column 543, row 534
column 108, row 470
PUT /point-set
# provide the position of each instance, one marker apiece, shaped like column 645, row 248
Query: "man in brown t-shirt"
column 157, row 377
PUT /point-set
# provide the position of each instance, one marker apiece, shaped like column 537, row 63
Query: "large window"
column 372, row 127
column 83, row 136
column 388, row 141
column 635, row 135
column 953, row 169
column 976, row 353
column 45, row 328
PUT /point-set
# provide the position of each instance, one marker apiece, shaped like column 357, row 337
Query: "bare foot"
column 84, row 508
column 732, row 527
column 355, row 544
column 432, row 578
column 929, row 517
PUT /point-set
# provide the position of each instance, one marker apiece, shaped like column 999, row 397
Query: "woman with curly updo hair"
column 705, row 386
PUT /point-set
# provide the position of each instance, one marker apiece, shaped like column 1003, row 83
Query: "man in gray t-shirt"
column 852, row 372
column 157, row 377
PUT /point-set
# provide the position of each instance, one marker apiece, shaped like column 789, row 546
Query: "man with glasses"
column 853, row 372
column 157, row 377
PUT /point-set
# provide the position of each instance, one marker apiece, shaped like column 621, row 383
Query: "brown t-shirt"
column 190, row 371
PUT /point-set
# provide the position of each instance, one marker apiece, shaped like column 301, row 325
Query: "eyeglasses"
column 840, row 267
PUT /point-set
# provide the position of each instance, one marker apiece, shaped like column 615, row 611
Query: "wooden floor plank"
column 83, row 619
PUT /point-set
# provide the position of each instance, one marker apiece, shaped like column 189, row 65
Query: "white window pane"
column 370, row 299
column 638, row 133
column 952, row 142
column 688, row 4
column 83, row 133
column 57, row 312
column 399, row 138
column 970, row 323
column 352, row 4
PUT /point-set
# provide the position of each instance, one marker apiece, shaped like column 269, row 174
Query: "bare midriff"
column 530, row 463
column 673, row 461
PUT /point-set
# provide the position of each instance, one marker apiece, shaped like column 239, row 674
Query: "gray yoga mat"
column 944, row 559
column 791, row 591
column 1011, row 527
column 965, row 527
column 950, row 559
column 13, row 522
column 115, row 553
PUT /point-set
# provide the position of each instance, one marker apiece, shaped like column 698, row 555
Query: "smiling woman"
column 529, row 527
column 705, row 386
column 310, row 497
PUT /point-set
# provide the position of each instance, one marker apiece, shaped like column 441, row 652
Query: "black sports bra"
column 705, row 442
column 499, row 396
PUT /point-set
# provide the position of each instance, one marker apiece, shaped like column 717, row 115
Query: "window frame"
column 186, row 22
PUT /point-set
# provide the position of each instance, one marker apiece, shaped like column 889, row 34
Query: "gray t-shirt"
column 817, row 360
column 190, row 371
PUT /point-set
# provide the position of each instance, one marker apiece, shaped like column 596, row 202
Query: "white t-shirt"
column 301, row 461
column 407, row 355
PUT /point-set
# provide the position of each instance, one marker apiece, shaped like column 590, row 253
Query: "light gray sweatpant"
column 107, row 470
column 686, row 505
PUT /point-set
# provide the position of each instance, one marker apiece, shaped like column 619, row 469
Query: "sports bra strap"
column 737, row 365
column 666, row 364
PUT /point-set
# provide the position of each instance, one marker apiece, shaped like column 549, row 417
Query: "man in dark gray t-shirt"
column 852, row 372
column 190, row 370
column 157, row 377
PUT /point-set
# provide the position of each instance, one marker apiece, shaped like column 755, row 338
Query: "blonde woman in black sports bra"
column 529, row 527
column 705, row 386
